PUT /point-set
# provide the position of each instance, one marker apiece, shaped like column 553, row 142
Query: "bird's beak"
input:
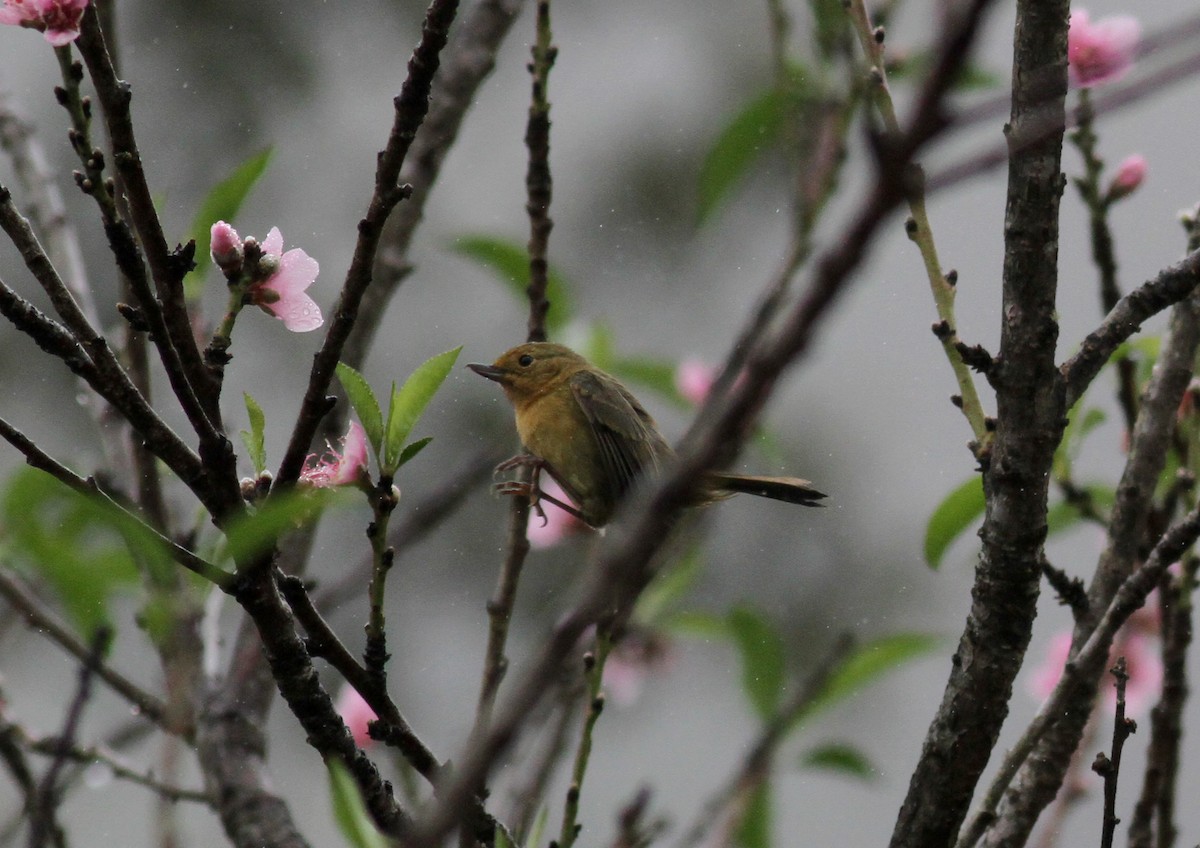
column 489, row 371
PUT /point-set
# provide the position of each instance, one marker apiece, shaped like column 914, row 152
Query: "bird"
column 587, row 431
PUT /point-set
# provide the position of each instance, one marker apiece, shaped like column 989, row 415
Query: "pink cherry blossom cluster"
column 282, row 291
column 57, row 20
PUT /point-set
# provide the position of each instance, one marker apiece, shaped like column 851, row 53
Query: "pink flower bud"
column 357, row 714
column 1130, row 174
column 694, row 380
column 225, row 245
column 1100, row 52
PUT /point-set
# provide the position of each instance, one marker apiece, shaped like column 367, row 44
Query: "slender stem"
column 121, row 770
column 538, row 184
column 383, row 503
column 1103, row 255
column 37, row 616
column 1110, row 767
column 594, row 670
column 941, row 285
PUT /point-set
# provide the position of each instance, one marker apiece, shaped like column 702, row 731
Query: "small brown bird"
column 592, row 436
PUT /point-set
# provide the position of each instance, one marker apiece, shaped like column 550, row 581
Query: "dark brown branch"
column 178, row 348
column 467, row 60
column 324, row 643
column 410, row 108
column 1078, row 682
column 1171, row 286
column 1154, row 813
column 538, row 184
column 1041, row 774
column 1109, row 768
column 1030, row 412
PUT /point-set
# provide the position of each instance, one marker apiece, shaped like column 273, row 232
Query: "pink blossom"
column 225, row 245
column 336, row 469
column 1100, row 52
column 58, row 20
column 1130, row 174
column 282, row 294
column 356, row 713
column 1142, row 663
column 558, row 524
column 694, row 379
column 640, row 655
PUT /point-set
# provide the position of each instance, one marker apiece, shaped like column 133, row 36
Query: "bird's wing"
column 629, row 441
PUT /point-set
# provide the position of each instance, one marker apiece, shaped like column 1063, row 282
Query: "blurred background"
column 640, row 93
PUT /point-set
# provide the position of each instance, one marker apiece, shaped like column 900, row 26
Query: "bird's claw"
column 526, row 490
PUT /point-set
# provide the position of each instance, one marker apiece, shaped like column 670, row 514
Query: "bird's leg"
column 531, row 490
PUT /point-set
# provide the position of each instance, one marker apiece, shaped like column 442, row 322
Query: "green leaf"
column 539, row 826
column 349, row 811
column 657, row 375
column 953, row 516
column 509, row 262
column 84, row 548
column 410, row 401
column 839, row 757
column 761, row 649
column 366, row 407
column 600, row 346
column 221, row 204
column 868, row 663
column 1079, row 424
column 412, row 450
column 832, row 25
column 754, row 831
column 698, row 625
column 753, row 130
column 257, row 532
column 253, row 439
column 501, row 838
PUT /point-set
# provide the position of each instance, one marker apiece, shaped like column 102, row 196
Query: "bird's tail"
column 789, row 489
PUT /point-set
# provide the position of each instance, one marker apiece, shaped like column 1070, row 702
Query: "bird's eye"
column 525, row 361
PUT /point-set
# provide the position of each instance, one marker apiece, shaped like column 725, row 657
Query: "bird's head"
column 529, row 370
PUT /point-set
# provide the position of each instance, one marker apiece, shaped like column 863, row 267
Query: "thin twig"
column 43, row 824
column 1110, row 767
column 45, row 622
column 88, row 487
column 120, row 769
column 756, row 761
column 538, row 183
column 1170, row 286
column 1154, row 813
column 593, row 667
